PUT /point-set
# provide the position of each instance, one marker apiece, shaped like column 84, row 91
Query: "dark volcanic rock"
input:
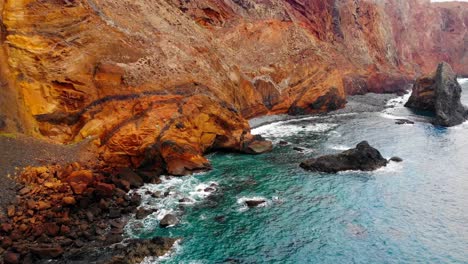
column 298, row 149
column 363, row 157
column 143, row 213
column 137, row 250
column 440, row 94
column 404, row 122
column 254, row 203
column 169, row 220
column 130, row 176
column 396, row 159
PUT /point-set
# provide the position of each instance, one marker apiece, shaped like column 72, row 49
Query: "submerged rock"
column 363, row 157
column 298, row 149
column 404, row 122
column 254, row 203
column 440, row 94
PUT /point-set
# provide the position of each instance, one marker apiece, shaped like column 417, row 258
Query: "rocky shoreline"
column 370, row 102
column 65, row 213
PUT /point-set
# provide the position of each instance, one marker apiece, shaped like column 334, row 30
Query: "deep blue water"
column 410, row 212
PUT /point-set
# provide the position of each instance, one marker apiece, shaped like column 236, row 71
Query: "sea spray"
column 287, row 129
column 166, row 198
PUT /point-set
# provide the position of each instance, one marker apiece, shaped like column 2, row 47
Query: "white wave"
column 340, row 147
column 390, row 116
column 166, row 197
column 391, row 167
column 463, row 81
column 400, row 100
column 286, row 129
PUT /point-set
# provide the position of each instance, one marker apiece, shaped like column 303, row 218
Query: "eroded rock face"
column 363, row 157
column 157, row 84
column 440, row 93
column 448, row 106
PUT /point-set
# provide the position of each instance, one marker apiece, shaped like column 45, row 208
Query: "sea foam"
column 286, row 129
column 170, row 192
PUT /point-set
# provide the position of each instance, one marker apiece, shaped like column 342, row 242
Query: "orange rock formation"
column 159, row 83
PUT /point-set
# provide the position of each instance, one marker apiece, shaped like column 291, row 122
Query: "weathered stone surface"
column 169, row 220
column 143, row 212
column 363, row 157
column 423, row 95
column 448, row 107
column 440, row 94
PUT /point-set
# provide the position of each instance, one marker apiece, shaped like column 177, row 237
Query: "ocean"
column 410, row 212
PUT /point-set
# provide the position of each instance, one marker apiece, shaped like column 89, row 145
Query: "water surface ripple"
column 410, row 212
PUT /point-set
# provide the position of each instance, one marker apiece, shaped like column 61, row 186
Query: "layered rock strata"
column 133, row 74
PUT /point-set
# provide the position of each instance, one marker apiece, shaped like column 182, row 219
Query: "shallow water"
column 410, row 212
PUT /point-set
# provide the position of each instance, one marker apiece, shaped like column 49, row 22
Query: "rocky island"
column 363, row 157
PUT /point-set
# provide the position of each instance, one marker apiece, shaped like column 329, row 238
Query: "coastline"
column 370, row 102
column 117, row 245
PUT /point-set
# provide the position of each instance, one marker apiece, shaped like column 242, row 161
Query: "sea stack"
column 439, row 93
column 363, row 157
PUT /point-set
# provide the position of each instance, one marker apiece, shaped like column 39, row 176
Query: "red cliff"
column 162, row 82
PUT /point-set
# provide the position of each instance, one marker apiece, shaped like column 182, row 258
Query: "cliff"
column 159, row 83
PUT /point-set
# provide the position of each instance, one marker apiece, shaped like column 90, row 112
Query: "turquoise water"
column 410, row 212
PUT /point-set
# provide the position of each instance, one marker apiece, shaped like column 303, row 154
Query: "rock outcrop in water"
column 363, row 157
column 440, row 93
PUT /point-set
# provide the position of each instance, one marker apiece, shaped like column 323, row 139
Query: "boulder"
column 47, row 251
column 396, row 159
column 363, row 157
column 11, row 258
column 440, row 93
column 169, row 220
column 259, row 146
column 143, row 213
column 80, row 180
column 104, row 189
column 132, row 177
column 68, row 200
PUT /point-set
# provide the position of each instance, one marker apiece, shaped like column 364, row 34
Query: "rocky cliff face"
column 162, row 82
